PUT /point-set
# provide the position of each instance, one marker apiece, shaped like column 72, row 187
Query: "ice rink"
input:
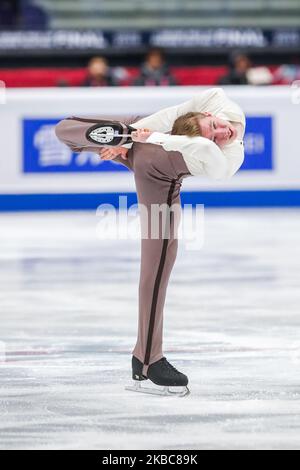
column 68, row 304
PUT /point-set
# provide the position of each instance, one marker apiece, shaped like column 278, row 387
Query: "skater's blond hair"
column 188, row 124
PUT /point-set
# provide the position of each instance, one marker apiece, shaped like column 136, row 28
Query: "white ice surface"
column 68, row 312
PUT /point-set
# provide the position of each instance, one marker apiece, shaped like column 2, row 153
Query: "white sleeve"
column 202, row 156
column 163, row 120
column 216, row 102
column 213, row 100
column 235, row 155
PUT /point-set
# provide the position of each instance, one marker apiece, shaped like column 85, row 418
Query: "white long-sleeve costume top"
column 202, row 156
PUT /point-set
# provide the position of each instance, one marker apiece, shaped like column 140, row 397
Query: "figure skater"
column 203, row 136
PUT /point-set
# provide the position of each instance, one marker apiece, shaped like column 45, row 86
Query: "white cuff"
column 157, row 138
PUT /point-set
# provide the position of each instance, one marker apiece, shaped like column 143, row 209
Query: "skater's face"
column 219, row 131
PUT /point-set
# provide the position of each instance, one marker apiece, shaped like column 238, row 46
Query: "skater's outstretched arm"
column 202, row 155
column 213, row 101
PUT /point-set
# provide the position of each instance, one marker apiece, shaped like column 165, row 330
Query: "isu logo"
column 103, row 135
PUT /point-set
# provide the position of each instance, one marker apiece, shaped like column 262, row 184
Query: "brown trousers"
column 158, row 177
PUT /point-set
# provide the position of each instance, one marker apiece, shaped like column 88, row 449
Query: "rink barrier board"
column 89, row 201
column 37, row 172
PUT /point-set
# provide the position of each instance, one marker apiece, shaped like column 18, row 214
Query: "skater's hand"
column 141, row 135
column 114, row 152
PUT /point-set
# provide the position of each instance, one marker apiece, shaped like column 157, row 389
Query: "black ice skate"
column 161, row 373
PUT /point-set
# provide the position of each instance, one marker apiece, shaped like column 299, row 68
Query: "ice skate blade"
column 162, row 391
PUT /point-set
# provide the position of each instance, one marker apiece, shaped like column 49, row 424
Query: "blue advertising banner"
column 43, row 153
column 258, row 143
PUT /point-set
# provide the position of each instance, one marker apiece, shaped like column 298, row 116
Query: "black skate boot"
column 161, row 373
column 137, row 369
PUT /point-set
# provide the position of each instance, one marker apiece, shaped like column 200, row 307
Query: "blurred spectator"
column 243, row 73
column 239, row 64
column 287, row 74
column 155, row 72
column 99, row 73
column 260, row 76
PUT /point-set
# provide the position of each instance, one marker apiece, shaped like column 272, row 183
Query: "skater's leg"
column 73, row 132
column 157, row 260
column 158, row 183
